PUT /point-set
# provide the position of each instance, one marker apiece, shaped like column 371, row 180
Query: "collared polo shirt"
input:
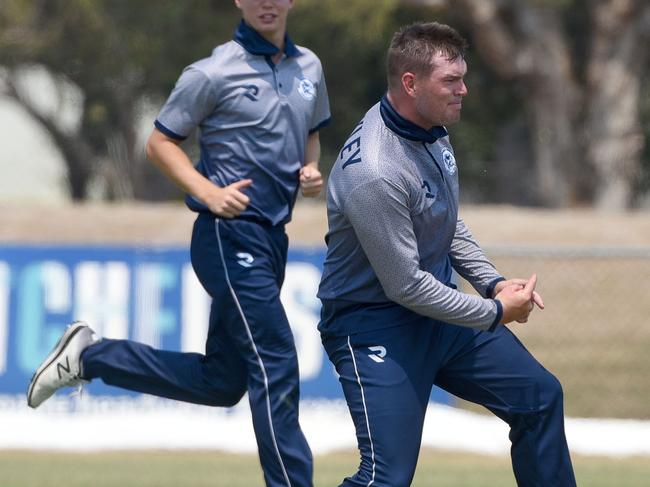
column 253, row 116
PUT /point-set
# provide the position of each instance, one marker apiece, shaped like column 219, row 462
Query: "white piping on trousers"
column 365, row 412
column 259, row 359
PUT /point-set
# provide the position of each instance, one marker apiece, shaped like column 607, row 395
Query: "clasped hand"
column 311, row 181
column 518, row 298
column 230, row 201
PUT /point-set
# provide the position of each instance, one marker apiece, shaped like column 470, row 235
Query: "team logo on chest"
column 449, row 161
column 306, row 89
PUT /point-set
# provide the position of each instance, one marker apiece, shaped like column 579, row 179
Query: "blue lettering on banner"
column 146, row 294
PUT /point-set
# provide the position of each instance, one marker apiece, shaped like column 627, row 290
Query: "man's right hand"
column 229, row 201
column 518, row 301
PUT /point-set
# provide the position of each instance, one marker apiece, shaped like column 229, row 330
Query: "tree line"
column 558, row 111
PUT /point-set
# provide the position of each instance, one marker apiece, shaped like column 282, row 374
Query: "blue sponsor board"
column 148, row 294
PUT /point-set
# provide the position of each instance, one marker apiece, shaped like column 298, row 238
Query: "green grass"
column 199, row 469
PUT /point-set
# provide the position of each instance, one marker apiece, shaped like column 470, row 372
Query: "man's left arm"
column 311, row 180
column 469, row 260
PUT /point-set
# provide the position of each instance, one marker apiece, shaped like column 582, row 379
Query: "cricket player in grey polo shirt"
column 258, row 102
column 393, row 323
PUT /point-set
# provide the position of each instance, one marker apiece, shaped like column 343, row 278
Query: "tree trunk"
column 553, row 105
column 530, row 49
column 586, row 139
column 613, row 133
column 77, row 154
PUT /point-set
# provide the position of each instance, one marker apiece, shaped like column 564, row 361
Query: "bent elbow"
column 149, row 150
column 397, row 295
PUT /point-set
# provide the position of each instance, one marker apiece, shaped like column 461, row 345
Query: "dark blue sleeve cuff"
column 490, row 289
column 497, row 320
column 321, row 125
column 169, row 133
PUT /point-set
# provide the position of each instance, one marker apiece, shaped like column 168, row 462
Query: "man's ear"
column 408, row 83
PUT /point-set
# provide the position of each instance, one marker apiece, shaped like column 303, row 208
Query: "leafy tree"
column 576, row 69
column 558, row 113
column 120, row 54
column 351, row 39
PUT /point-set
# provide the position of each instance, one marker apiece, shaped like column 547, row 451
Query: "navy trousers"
column 249, row 346
column 387, row 376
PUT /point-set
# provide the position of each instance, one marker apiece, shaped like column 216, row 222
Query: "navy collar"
column 254, row 43
column 405, row 128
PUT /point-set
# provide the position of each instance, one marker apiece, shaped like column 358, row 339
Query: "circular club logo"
column 306, row 89
column 449, row 160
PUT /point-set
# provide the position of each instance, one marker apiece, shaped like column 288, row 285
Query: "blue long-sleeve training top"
column 395, row 235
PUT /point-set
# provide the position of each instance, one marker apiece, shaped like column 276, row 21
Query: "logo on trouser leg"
column 379, row 353
column 245, row 259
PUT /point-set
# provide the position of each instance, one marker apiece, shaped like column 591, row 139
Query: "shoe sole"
column 69, row 334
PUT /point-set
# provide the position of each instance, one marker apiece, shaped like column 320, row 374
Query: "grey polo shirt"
column 394, row 233
column 254, row 118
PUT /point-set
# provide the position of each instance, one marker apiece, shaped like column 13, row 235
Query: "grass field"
column 203, row 469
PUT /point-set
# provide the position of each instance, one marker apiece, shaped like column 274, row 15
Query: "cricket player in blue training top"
column 393, row 324
column 259, row 102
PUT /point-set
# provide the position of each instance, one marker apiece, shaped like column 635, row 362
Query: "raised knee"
column 550, row 390
column 541, row 394
column 224, row 393
column 224, row 398
column 232, row 399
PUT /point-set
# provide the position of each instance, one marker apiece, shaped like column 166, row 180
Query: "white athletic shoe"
column 62, row 367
